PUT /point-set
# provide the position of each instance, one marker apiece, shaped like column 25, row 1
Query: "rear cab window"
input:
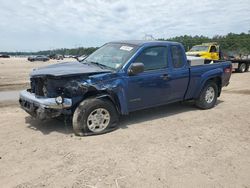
column 177, row 56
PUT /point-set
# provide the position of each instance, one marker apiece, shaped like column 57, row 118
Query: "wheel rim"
column 98, row 120
column 243, row 67
column 209, row 97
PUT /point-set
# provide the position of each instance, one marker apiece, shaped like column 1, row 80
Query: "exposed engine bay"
column 49, row 86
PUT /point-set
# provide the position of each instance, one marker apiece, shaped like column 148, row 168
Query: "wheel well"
column 217, row 80
column 113, row 100
column 102, row 95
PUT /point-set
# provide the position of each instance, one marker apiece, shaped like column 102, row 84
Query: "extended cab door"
column 150, row 87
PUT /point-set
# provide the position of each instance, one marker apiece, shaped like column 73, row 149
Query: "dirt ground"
column 171, row 146
column 14, row 73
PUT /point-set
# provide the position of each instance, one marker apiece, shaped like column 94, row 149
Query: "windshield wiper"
column 101, row 65
column 81, row 60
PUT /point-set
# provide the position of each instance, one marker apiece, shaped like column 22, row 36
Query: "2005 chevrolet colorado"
column 121, row 77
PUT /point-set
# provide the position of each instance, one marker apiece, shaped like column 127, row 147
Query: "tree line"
column 63, row 51
column 237, row 43
column 73, row 51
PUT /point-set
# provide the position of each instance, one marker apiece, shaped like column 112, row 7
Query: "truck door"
column 214, row 53
column 179, row 76
column 150, row 87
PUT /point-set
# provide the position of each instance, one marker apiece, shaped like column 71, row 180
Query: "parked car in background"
column 75, row 56
column 4, row 56
column 56, row 56
column 38, row 58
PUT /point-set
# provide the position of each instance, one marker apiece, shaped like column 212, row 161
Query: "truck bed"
column 198, row 72
column 197, row 61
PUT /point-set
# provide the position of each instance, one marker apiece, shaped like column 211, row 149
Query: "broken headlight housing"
column 59, row 100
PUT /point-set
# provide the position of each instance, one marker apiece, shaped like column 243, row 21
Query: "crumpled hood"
column 66, row 69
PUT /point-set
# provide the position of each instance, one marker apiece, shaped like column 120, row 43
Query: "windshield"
column 199, row 49
column 111, row 55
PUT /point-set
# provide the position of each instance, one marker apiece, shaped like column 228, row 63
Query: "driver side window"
column 153, row 58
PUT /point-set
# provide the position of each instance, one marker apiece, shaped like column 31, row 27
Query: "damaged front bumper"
column 43, row 107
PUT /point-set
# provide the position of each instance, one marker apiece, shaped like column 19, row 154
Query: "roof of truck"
column 145, row 42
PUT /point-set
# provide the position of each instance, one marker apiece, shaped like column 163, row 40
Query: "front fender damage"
column 112, row 90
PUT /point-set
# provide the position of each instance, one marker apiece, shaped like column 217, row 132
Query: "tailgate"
column 227, row 71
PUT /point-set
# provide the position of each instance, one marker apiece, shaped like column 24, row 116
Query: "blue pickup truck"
column 118, row 78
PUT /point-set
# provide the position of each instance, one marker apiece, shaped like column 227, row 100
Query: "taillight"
column 228, row 70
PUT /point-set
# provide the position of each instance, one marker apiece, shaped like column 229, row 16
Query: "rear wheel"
column 242, row 67
column 208, row 96
column 94, row 116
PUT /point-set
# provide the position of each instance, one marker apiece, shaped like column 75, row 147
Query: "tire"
column 242, row 67
column 94, row 116
column 208, row 96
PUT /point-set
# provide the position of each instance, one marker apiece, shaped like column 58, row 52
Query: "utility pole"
column 148, row 37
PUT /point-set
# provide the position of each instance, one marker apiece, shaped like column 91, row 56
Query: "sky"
column 32, row 25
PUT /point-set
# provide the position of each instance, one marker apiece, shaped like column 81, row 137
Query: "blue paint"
column 148, row 89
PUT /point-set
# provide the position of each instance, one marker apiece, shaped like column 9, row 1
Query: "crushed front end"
column 57, row 89
column 44, row 107
column 50, row 97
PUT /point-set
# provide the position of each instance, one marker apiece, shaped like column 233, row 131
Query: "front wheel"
column 208, row 96
column 94, row 116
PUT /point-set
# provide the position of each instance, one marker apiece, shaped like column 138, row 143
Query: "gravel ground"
column 14, row 72
column 170, row 146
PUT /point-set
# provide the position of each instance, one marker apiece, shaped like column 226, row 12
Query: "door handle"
column 165, row 76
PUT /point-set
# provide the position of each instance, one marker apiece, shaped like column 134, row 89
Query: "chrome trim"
column 44, row 102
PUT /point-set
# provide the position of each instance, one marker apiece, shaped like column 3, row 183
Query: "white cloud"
column 44, row 24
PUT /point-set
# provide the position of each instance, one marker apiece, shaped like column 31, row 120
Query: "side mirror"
column 135, row 68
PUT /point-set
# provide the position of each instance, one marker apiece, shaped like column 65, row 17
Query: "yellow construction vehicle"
column 206, row 51
column 212, row 51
